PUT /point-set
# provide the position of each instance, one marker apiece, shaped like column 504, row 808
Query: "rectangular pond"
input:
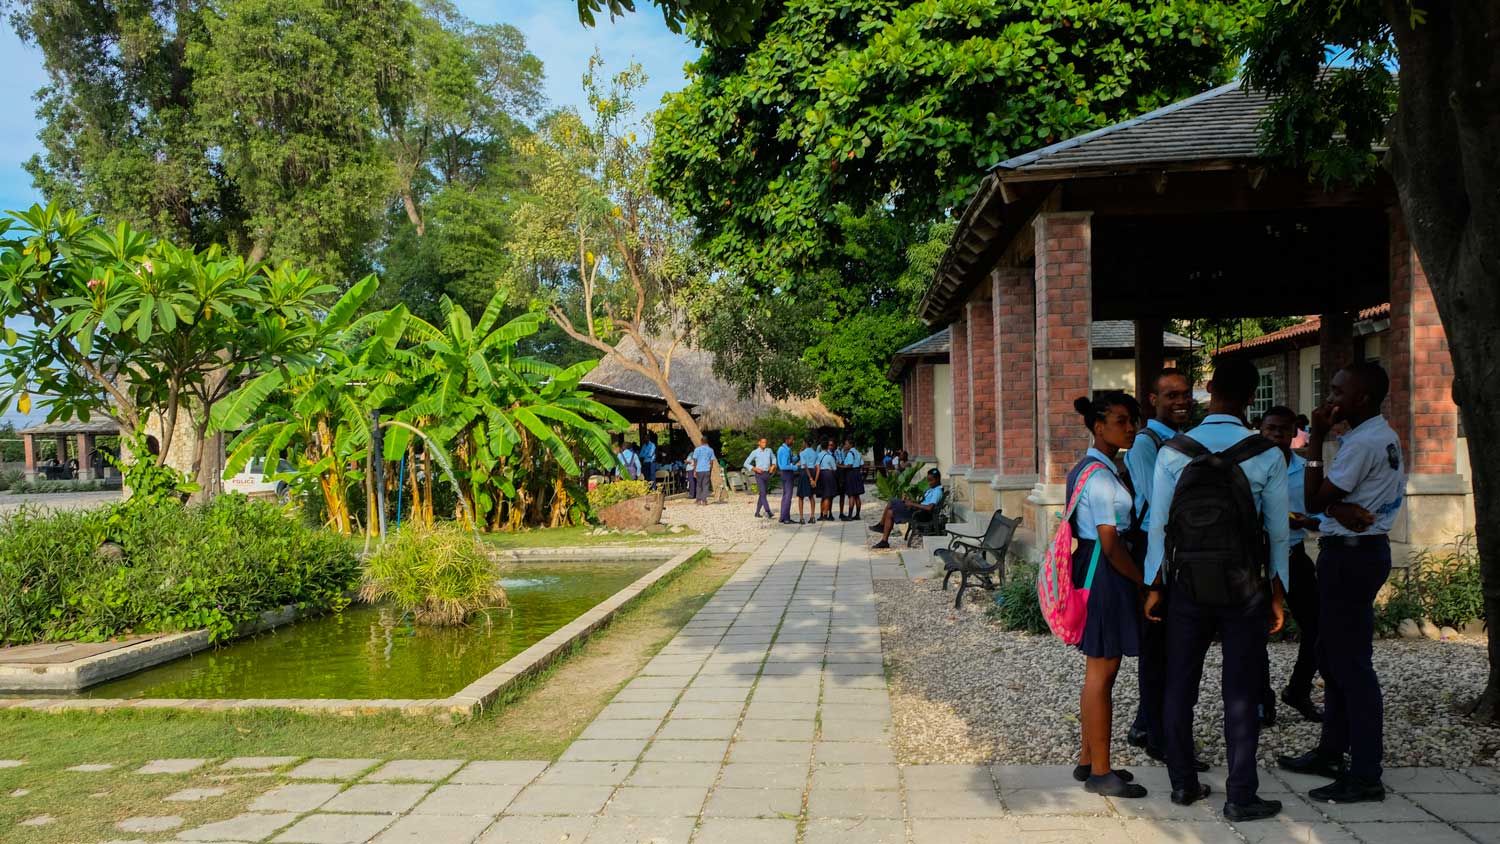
column 372, row 652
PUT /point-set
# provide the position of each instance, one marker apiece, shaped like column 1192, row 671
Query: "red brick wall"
column 924, row 442
column 981, row 323
column 1014, row 295
column 963, row 429
column 1420, row 406
column 1064, row 294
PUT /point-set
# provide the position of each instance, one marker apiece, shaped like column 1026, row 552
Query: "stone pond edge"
column 467, row 702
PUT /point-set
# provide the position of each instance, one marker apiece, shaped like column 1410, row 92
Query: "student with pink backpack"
column 1089, row 591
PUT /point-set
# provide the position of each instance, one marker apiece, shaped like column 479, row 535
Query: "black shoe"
column 1136, row 738
column 1268, row 714
column 1111, row 785
column 1349, row 790
column 1314, row 763
column 1304, row 707
column 881, row 544
column 1083, row 772
column 1187, row 797
column 787, row 522
column 1258, row 810
column 876, row 528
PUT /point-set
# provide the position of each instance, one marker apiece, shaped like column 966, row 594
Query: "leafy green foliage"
column 42, row 486
column 775, row 425
column 441, row 576
column 725, row 20
column 610, row 494
column 1016, row 604
column 1448, row 583
column 168, row 567
column 150, row 483
column 839, row 106
column 11, row 478
column 894, row 486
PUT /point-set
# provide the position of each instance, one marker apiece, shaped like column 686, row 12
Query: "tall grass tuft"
column 441, row 576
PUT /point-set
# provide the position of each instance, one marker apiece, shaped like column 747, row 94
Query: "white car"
column 255, row 482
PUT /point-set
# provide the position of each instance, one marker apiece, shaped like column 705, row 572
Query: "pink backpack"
column 1065, row 607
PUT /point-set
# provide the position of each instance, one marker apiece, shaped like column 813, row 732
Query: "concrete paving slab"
column 1484, row 833
column 1158, row 831
column 667, row 802
column 331, row 769
column 586, row 773
column 854, row 752
column 486, row 801
column 498, row 772
column 682, row 750
column 149, row 823
column 859, row 831
column 300, row 797
column 746, row 831
column 698, row 728
column 623, row 830
column 377, row 799
column 754, row 803
column 1068, row 801
column 434, row 829
column 612, row 750
column 785, row 752
column 257, row 763
column 251, row 826
column 560, row 800
column 415, row 770
column 335, row 829
column 535, row 830
column 853, row 804
column 946, row 777
column 171, row 766
column 764, row 775
column 194, row 795
column 635, row 728
column 1459, row 808
column 1394, row 808
column 619, row 711
column 1407, row 833
column 667, row 774
column 1283, row 831
column 757, row 729
column 861, row 777
column 954, row 804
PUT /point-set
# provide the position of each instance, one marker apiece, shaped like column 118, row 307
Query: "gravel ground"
column 721, row 526
column 965, row 691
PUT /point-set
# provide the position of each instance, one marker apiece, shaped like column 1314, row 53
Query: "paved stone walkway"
column 766, row 722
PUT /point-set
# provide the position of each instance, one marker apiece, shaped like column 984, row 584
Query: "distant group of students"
column 631, row 464
column 1200, row 536
column 822, row 470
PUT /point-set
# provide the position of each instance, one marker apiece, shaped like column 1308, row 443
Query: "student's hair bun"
column 1085, row 407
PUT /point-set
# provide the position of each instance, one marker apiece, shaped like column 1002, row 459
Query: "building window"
column 1317, row 385
column 1265, row 393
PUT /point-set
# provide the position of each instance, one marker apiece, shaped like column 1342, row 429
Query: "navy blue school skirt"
column 828, row 485
column 854, row 482
column 1113, row 627
column 804, row 484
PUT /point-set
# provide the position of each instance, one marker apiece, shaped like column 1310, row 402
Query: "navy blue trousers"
column 1151, row 673
column 762, row 483
column 704, row 486
column 1190, row 630
column 1354, row 711
column 788, row 481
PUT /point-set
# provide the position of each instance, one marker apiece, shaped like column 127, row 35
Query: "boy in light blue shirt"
column 758, row 464
column 703, row 466
column 900, row 512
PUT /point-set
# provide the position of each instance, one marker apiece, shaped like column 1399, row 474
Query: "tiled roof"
column 1308, row 327
column 1120, row 334
column 100, row 425
column 937, row 343
column 1215, row 125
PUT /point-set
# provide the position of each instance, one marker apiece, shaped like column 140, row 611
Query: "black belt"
column 1353, row 541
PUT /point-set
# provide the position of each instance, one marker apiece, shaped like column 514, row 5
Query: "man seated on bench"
column 900, row 512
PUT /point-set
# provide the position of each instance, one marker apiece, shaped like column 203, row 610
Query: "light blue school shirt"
column 1104, row 500
column 1140, row 462
column 703, row 459
column 1267, row 476
column 933, row 495
column 630, row 464
column 784, row 460
column 1296, row 496
column 828, row 462
column 759, row 458
column 648, row 451
column 1369, row 468
column 809, row 459
column 853, row 459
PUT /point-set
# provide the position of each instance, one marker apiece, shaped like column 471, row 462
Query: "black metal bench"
column 980, row 559
column 932, row 522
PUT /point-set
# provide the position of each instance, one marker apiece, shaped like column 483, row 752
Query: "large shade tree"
column 1441, row 119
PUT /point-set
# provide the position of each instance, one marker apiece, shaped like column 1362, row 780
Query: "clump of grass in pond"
column 441, row 576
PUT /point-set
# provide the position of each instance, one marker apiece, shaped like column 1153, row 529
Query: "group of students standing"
column 1199, row 535
column 819, row 474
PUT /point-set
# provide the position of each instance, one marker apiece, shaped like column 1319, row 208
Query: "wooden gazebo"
column 83, row 435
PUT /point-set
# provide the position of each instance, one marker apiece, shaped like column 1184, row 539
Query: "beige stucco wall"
column 1306, row 401
column 1113, row 374
column 942, row 415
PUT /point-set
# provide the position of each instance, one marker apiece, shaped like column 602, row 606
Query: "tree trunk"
column 1445, row 159
column 689, row 425
column 413, row 213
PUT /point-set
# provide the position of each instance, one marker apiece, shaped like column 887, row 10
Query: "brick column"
column 1420, row 405
column 1064, row 296
column 979, row 318
column 925, row 440
column 1064, row 299
column 1335, row 344
column 1015, row 369
column 28, row 443
column 963, row 430
column 85, row 455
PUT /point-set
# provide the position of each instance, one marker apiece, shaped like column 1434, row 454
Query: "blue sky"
column 552, row 32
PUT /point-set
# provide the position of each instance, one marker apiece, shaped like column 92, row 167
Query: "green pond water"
column 372, row 652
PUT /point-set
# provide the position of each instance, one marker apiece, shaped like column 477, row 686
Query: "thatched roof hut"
column 714, row 402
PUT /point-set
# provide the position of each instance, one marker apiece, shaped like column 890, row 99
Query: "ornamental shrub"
column 1016, row 604
column 1447, row 583
column 604, row 495
column 441, row 575
column 92, row 575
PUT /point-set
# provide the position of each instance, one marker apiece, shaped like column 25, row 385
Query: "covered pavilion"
column 1173, row 214
column 83, row 435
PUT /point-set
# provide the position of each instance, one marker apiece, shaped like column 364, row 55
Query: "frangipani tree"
column 141, row 330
